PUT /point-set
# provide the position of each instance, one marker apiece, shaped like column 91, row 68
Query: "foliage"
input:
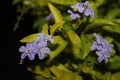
column 71, row 57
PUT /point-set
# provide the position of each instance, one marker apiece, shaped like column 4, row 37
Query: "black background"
column 11, row 69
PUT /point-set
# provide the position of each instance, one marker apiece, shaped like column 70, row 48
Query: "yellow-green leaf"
column 45, row 29
column 85, row 44
column 42, row 2
column 115, row 29
column 56, row 13
column 40, row 71
column 87, row 67
column 116, row 76
column 62, row 74
column 30, row 38
column 86, row 50
column 99, row 23
column 64, row 2
column 56, row 26
column 57, row 70
column 62, row 67
column 114, row 62
column 61, row 45
column 97, row 75
column 75, row 41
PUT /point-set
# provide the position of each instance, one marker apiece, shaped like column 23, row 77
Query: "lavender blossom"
column 73, row 15
column 82, row 8
column 88, row 11
column 102, row 56
column 79, row 6
column 46, row 38
column 103, row 49
column 49, row 17
column 28, row 50
column 39, row 46
column 41, row 51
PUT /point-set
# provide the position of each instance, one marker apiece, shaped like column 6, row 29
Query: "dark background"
column 11, row 69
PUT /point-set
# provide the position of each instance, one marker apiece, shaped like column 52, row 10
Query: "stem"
column 20, row 17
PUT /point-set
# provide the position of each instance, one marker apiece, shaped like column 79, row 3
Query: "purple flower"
column 39, row 46
column 75, row 6
column 49, row 17
column 82, row 8
column 41, row 51
column 92, row 14
column 42, row 43
column 87, row 12
column 43, row 37
column 49, row 38
column 103, row 49
column 79, row 6
column 96, row 46
column 28, row 50
column 73, row 15
column 102, row 56
column 86, row 4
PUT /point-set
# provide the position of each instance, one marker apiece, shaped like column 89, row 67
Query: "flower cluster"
column 39, row 47
column 81, row 8
column 102, row 47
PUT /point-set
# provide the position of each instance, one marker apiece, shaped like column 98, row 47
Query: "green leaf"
column 62, row 74
column 86, row 50
column 117, row 21
column 116, row 76
column 91, row 58
column 37, row 69
column 115, row 29
column 75, row 41
column 96, row 75
column 109, row 39
column 86, row 44
column 86, row 67
column 114, row 62
column 98, row 23
column 30, row 38
column 56, row 13
column 99, row 2
column 118, row 45
column 56, row 26
column 45, row 29
column 61, row 45
column 42, row 2
column 38, row 77
column 64, row 2
column 62, row 67
column 113, row 13
column 106, row 76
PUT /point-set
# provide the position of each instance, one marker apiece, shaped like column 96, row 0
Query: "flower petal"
column 45, row 50
column 41, row 55
column 31, row 56
column 23, row 55
column 100, row 58
column 22, row 49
